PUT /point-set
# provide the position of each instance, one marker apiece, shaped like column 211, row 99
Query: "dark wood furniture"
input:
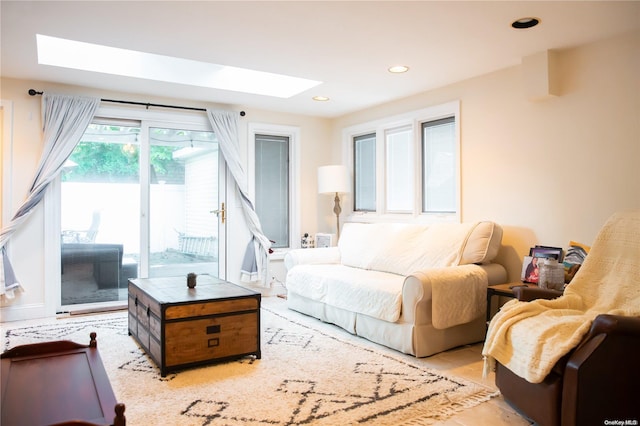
column 594, row 383
column 59, row 383
column 502, row 290
column 513, row 290
column 180, row 327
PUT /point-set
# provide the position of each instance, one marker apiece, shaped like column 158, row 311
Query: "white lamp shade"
column 332, row 179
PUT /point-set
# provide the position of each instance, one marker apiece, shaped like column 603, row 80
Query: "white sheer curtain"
column 64, row 120
column 225, row 126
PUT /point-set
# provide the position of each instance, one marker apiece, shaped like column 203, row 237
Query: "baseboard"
column 97, row 309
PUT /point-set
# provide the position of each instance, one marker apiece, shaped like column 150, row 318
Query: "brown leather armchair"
column 598, row 381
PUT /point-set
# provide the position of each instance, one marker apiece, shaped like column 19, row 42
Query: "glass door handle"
column 221, row 213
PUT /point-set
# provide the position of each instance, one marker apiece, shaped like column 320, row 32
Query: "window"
column 406, row 166
column 272, row 187
column 273, row 183
column 438, row 166
column 399, row 170
column 364, row 166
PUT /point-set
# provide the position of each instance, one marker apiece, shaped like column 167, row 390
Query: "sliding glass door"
column 184, row 198
column 138, row 199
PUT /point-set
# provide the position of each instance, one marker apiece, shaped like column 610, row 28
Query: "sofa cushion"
column 373, row 293
column 416, row 248
column 483, row 243
column 402, row 248
column 361, row 243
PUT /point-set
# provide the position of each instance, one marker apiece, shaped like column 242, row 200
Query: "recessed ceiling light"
column 524, row 23
column 398, row 69
column 130, row 63
column 320, row 98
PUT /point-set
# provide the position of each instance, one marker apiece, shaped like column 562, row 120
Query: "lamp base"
column 337, row 210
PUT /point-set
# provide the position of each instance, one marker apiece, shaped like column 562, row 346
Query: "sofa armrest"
column 616, row 324
column 606, row 359
column 527, row 294
column 311, row 256
column 612, row 325
column 416, row 299
column 418, row 292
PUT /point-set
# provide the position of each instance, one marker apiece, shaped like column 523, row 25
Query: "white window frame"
column 293, row 133
column 380, row 128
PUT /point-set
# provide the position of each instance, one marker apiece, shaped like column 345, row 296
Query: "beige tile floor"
column 465, row 362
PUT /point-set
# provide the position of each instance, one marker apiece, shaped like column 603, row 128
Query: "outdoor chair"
column 84, row 235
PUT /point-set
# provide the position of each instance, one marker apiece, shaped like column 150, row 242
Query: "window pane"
column 272, row 187
column 439, row 166
column 365, row 172
column 100, row 204
column 183, row 193
column 399, row 167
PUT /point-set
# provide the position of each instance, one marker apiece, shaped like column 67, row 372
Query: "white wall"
column 27, row 246
column 549, row 171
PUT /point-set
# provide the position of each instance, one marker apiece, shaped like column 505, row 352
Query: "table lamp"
column 334, row 180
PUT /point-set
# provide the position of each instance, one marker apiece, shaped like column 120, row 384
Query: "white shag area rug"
column 309, row 374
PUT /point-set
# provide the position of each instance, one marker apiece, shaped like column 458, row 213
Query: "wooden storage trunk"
column 180, row 327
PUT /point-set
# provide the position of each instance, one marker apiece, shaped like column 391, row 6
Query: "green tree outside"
column 115, row 162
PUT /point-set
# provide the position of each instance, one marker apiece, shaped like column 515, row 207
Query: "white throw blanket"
column 376, row 258
column 530, row 337
column 458, row 294
column 373, row 293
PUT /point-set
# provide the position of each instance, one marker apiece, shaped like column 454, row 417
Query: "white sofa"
column 419, row 289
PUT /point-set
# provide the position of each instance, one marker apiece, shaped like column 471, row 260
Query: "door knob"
column 221, row 213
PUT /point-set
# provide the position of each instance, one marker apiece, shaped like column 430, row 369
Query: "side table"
column 502, row 290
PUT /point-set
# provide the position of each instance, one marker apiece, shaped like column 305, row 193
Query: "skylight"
column 78, row 55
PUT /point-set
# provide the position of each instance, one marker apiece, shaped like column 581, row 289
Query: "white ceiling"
column 347, row 45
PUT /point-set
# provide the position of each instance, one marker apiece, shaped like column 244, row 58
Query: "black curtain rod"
column 33, row 92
